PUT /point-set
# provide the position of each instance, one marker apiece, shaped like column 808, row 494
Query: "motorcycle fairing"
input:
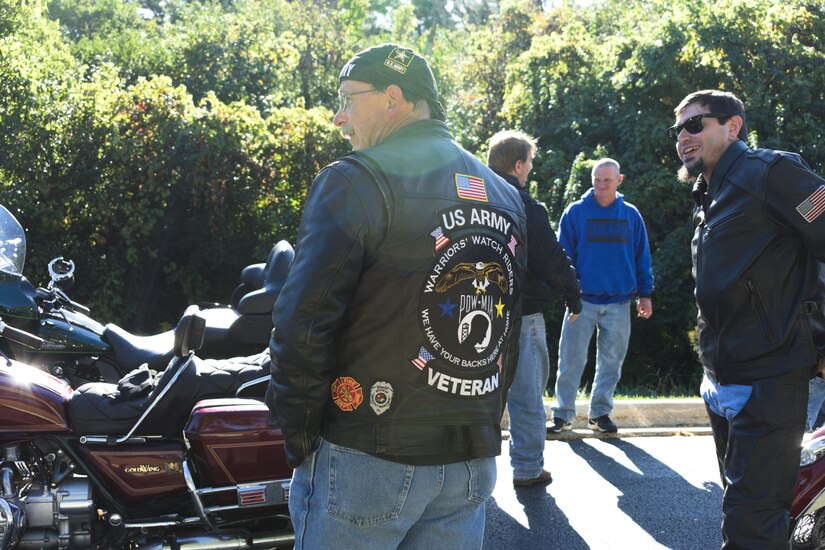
column 31, row 400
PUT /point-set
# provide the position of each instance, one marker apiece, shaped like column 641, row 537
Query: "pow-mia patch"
column 347, row 393
column 381, row 397
column 467, row 300
column 812, row 207
column 399, row 60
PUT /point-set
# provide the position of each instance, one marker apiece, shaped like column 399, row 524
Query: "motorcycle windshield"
column 12, row 244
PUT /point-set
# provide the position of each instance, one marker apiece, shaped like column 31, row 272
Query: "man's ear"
column 395, row 96
column 734, row 125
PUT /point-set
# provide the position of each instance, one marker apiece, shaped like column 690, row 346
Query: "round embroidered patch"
column 467, row 298
column 347, row 393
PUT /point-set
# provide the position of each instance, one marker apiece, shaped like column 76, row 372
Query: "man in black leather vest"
column 760, row 231
column 392, row 351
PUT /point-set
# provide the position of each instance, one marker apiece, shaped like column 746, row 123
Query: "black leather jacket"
column 548, row 268
column 755, row 262
column 392, row 330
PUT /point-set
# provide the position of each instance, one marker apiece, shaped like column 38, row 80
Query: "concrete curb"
column 636, row 418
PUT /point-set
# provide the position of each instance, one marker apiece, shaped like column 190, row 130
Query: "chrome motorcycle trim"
column 251, row 383
column 159, row 523
column 811, row 450
column 816, row 503
column 107, row 439
column 195, row 494
column 7, row 524
column 278, row 495
column 227, row 540
column 149, row 409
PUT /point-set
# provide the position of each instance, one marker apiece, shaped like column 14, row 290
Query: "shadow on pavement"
column 650, row 497
column 548, row 525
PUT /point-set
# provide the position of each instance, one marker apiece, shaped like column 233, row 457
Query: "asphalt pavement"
column 612, row 493
column 653, row 485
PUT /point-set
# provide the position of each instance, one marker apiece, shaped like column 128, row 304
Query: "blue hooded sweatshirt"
column 608, row 247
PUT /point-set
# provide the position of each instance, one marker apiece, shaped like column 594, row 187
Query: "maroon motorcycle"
column 181, row 459
column 808, row 507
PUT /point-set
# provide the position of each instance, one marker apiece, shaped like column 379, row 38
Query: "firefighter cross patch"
column 347, row 393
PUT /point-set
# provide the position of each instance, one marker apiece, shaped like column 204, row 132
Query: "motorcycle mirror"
column 61, row 272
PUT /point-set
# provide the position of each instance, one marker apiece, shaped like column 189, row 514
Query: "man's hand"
column 574, row 306
column 820, row 366
column 644, row 308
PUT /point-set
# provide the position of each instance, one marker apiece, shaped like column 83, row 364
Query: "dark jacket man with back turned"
column 393, row 341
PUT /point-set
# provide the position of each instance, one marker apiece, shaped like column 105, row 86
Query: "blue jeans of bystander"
column 344, row 498
column 528, row 421
column 612, row 325
column 816, row 396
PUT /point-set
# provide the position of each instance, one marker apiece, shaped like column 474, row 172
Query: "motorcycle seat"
column 97, row 409
column 132, row 351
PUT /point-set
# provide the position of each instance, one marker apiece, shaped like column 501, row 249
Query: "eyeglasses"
column 344, row 99
column 694, row 125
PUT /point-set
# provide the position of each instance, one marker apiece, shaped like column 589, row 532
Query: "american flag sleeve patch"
column 812, row 207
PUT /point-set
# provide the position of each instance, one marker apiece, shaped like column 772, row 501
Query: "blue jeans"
column 612, row 325
column 344, row 498
column 726, row 401
column 816, row 396
column 528, row 421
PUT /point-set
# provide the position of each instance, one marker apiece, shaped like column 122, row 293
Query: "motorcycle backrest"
column 274, row 276
column 189, row 331
column 253, row 275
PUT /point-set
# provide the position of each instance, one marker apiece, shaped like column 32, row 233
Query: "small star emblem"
column 499, row 309
column 401, row 56
column 447, row 308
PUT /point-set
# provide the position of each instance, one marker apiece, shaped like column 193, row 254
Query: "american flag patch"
column 512, row 245
column 813, row 206
column 440, row 239
column 423, row 358
column 470, row 187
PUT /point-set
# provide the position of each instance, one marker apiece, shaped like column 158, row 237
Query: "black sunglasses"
column 694, row 125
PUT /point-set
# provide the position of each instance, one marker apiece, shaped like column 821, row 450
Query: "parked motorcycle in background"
column 79, row 349
column 808, row 506
column 182, row 460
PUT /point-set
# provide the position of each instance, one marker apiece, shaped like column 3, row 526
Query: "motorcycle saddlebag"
column 232, row 442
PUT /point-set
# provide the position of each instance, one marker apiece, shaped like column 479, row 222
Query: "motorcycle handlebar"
column 71, row 303
column 20, row 336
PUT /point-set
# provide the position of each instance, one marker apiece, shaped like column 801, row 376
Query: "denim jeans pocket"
column 366, row 490
column 482, row 479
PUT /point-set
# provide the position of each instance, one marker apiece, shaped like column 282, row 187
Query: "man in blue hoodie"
column 606, row 240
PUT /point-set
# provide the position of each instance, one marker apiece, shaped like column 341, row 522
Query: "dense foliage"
column 164, row 144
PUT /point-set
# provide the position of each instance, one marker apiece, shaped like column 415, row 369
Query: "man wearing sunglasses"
column 760, row 231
